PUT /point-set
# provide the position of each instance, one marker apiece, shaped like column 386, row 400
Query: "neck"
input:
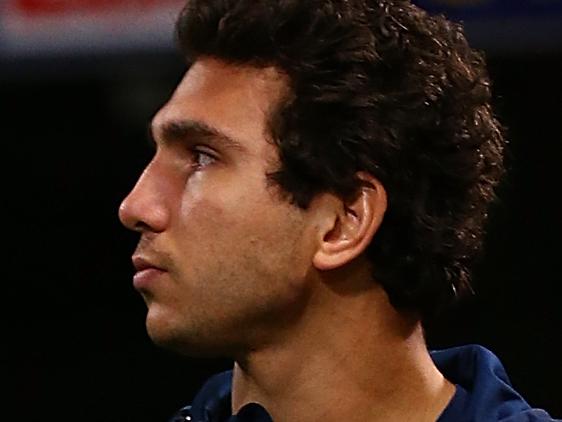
column 352, row 357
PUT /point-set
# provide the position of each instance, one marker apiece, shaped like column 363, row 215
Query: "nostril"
column 141, row 226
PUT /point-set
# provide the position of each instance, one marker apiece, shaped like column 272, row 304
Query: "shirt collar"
column 213, row 403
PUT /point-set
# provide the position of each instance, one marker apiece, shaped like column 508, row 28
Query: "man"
column 320, row 185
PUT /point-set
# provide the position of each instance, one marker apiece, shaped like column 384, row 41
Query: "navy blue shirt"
column 483, row 393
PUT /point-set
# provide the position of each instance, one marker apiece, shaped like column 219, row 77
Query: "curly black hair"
column 383, row 87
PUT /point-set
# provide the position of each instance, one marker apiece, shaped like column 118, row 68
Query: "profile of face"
column 223, row 256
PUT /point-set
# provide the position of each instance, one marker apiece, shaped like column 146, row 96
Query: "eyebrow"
column 191, row 130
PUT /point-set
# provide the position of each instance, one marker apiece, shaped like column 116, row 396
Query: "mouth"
column 147, row 272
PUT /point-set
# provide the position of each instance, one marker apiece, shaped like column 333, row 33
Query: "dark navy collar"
column 213, row 404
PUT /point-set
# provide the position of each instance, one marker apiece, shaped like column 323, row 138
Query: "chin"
column 187, row 341
column 194, row 348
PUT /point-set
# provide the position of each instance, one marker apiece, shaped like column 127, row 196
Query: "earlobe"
column 354, row 227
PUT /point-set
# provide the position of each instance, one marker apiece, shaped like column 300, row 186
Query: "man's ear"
column 353, row 225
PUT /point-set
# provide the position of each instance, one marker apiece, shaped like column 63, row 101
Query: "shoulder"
column 531, row 415
column 484, row 391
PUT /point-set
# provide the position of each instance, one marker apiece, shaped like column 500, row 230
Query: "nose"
column 144, row 209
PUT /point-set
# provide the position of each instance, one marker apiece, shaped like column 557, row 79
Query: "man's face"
column 226, row 256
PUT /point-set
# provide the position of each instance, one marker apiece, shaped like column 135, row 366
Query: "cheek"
column 233, row 223
column 225, row 205
column 233, row 218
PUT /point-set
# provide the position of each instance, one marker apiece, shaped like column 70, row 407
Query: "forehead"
column 236, row 100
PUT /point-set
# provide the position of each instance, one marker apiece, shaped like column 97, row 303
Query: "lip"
column 147, row 272
column 144, row 278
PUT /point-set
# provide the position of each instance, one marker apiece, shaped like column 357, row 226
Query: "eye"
column 202, row 158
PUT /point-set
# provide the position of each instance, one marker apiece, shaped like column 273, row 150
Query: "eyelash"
column 198, row 153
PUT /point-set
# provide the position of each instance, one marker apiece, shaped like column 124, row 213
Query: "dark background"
column 73, row 135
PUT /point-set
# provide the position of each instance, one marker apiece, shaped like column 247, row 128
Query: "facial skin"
column 234, row 254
